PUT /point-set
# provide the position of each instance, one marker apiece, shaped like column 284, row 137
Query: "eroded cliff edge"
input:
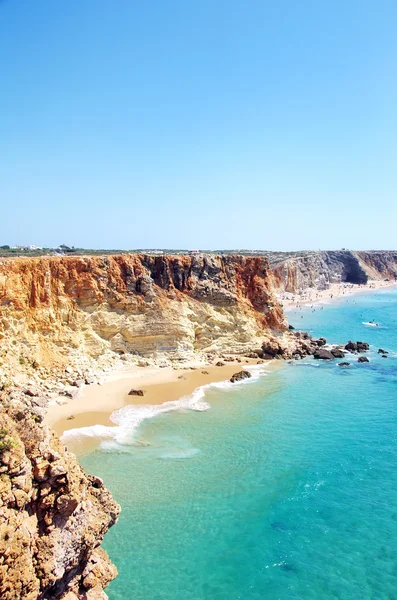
column 295, row 271
column 52, row 515
column 60, row 310
column 68, row 315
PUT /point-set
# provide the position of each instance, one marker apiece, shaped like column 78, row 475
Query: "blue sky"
column 199, row 123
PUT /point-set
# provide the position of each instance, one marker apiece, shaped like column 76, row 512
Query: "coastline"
column 95, row 404
column 313, row 296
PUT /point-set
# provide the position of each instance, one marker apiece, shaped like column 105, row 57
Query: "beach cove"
column 276, row 489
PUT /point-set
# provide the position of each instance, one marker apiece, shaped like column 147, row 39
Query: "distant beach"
column 313, row 296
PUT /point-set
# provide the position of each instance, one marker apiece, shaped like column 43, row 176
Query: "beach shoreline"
column 96, row 403
column 336, row 291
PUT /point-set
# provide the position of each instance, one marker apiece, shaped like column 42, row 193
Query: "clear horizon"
column 207, row 125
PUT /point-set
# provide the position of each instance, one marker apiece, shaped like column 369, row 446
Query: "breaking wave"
column 128, row 418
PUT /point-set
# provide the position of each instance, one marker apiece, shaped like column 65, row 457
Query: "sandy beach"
column 313, row 296
column 95, row 403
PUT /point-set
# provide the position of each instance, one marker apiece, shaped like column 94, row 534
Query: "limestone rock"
column 53, row 517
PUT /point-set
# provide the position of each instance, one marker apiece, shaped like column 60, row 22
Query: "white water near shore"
column 128, row 418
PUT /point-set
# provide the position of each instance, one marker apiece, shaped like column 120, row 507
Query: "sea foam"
column 128, row 418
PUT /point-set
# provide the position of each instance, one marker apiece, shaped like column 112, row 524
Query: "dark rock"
column 337, row 353
column 291, row 327
column 252, row 355
column 228, row 358
column 344, row 364
column 384, row 355
column 381, row 351
column 134, row 392
column 362, row 359
column 221, row 364
column 240, row 376
column 323, row 354
column 362, row 347
column 205, row 372
column 351, row 346
column 321, row 341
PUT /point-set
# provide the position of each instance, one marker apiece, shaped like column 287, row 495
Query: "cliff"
column 301, row 270
column 62, row 317
column 52, row 515
column 63, row 310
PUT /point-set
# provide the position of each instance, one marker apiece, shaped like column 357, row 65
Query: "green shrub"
column 6, row 441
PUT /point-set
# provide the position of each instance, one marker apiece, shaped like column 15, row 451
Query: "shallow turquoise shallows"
column 285, row 489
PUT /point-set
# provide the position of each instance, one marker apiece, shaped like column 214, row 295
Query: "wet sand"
column 96, row 403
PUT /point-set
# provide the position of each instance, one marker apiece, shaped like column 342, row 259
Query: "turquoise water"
column 285, row 489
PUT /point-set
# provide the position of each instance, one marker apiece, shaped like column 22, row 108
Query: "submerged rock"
column 362, row 359
column 240, row 376
column 344, row 364
column 381, row 351
column 323, row 354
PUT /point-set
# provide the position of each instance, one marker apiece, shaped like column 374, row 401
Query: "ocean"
column 283, row 487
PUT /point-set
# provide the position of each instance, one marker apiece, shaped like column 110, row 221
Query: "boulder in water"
column 362, row 346
column 351, row 346
column 362, row 359
column 344, row 364
column 337, row 353
column 240, row 376
column 323, row 354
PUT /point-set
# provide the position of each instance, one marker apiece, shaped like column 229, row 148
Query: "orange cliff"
column 55, row 310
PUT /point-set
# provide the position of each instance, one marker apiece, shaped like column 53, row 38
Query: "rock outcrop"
column 52, row 515
column 58, row 311
column 295, row 271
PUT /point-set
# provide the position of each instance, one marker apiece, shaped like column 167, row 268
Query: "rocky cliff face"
column 58, row 310
column 298, row 271
column 52, row 515
column 62, row 314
